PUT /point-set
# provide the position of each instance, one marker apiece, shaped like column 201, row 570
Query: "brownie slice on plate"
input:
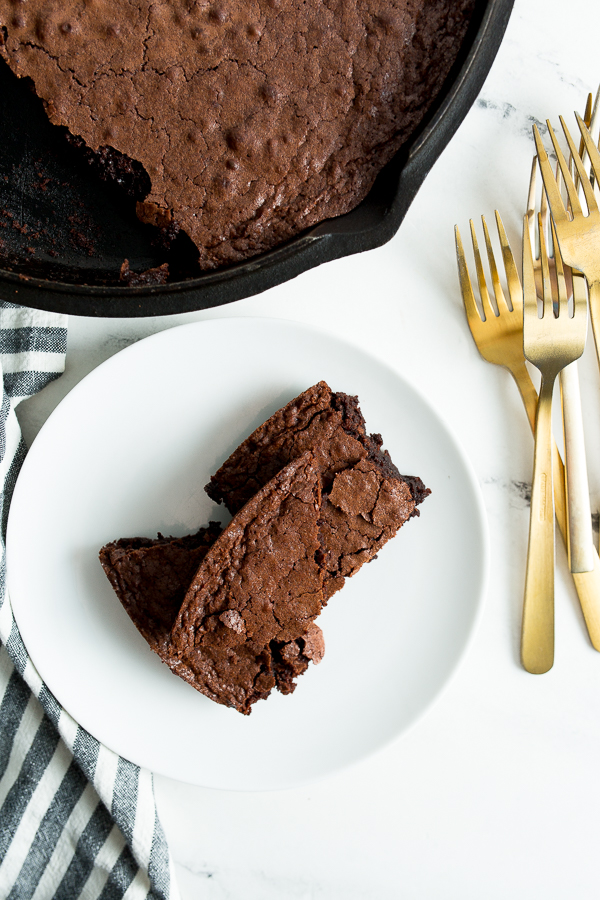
column 246, row 624
column 358, row 479
column 232, row 612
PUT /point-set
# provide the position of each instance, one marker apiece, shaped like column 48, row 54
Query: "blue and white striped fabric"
column 76, row 820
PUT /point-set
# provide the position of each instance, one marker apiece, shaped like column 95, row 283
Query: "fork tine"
column 486, row 303
column 531, row 200
column 531, row 192
column 555, row 200
column 546, row 282
column 592, row 122
column 594, row 156
column 587, row 116
column 583, row 177
column 529, row 291
column 466, row 287
column 544, row 211
column 544, row 207
column 593, row 130
column 498, row 292
column 563, row 295
column 531, row 217
column 512, row 276
column 564, row 168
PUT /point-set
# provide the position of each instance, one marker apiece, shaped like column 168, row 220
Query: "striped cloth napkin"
column 77, row 821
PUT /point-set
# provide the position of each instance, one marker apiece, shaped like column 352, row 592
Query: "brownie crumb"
column 158, row 275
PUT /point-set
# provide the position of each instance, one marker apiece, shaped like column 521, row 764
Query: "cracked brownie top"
column 253, row 119
column 365, row 498
column 249, row 611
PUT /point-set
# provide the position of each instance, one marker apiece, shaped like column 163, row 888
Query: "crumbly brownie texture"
column 317, row 418
column 158, row 275
column 365, row 499
column 151, row 577
column 253, row 120
column 361, row 512
column 246, row 624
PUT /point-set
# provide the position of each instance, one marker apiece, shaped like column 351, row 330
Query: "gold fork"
column 550, row 343
column 566, row 284
column 499, row 339
column 578, row 234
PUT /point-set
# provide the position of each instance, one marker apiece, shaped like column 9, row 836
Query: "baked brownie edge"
column 248, row 615
column 151, row 577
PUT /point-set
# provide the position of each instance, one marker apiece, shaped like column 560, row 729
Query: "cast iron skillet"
column 64, row 234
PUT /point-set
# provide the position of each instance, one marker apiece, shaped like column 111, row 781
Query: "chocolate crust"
column 360, row 513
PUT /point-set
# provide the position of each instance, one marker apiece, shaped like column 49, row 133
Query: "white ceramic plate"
column 128, row 452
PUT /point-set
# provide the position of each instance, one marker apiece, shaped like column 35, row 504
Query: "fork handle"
column 594, row 307
column 587, row 584
column 537, row 637
column 579, row 519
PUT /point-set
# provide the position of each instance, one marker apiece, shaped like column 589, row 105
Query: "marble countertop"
column 495, row 793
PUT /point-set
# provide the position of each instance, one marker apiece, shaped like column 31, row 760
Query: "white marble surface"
column 496, row 792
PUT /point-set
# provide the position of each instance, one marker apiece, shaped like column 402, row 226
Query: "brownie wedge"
column 232, row 611
column 246, row 624
column 354, row 469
